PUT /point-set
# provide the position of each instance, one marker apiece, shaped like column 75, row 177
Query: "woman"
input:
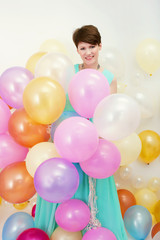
column 99, row 194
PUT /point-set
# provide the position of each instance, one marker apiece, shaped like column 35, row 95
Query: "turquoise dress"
column 104, row 192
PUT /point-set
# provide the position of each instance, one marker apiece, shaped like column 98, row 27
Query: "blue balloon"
column 138, row 222
column 64, row 115
column 16, row 224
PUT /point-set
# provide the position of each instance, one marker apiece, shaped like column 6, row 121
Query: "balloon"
column 87, row 88
column 38, row 154
column 125, row 172
column 33, row 234
column 44, row 100
column 56, row 180
column 116, row 117
column 157, row 211
column 0, row 200
column 16, row 224
column 5, row 115
column 154, row 184
column 138, row 222
column 10, row 151
column 155, row 229
column 126, row 200
column 99, row 233
column 121, row 86
column 148, row 55
column 32, row 61
column 112, row 60
column 104, row 162
column 56, row 66
column 65, row 115
column 26, row 131
column 14, row 179
column 150, row 145
column 13, row 82
column 138, row 182
column 146, row 198
column 61, row 234
column 33, row 210
column 157, row 236
column 53, row 45
column 129, row 147
column 73, row 215
column 20, row 206
column 80, row 171
column 76, row 139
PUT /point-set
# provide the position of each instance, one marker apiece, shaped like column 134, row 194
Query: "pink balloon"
column 4, row 116
column 99, row 233
column 87, row 88
column 12, row 84
column 76, row 139
column 33, row 234
column 104, row 162
column 72, row 215
column 10, row 151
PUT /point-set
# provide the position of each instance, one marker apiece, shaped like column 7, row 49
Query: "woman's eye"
column 82, row 49
column 93, row 46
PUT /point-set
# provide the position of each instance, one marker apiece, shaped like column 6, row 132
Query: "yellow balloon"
column 38, row 154
column 32, row 61
column 157, row 211
column 146, row 198
column 0, row 200
column 53, row 45
column 20, row 206
column 61, row 234
column 44, row 100
column 148, row 55
column 129, row 147
column 154, row 221
column 150, row 145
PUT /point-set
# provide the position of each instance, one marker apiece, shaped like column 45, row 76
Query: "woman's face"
column 89, row 53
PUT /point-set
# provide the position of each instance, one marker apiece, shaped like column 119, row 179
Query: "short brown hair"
column 88, row 34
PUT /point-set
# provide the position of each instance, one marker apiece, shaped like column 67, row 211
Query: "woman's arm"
column 113, row 86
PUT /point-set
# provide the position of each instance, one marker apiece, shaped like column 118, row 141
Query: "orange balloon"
column 44, row 100
column 16, row 184
column 150, row 146
column 126, row 200
column 26, row 131
column 155, row 229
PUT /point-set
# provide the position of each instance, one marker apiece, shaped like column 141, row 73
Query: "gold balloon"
column 148, row 55
column 38, row 154
column 150, row 146
column 32, row 61
column 20, row 206
column 157, row 211
column 0, row 200
column 146, row 198
column 129, row 147
column 53, row 45
column 44, row 100
column 60, row 234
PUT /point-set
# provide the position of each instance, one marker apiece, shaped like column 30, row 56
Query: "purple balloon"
column 56, row 180
column 99, row 233
column 72, row 215
column 104, row 162
column 4, row 116
column 12, row 84
column 87, row 88
column 10, row 151
column 76, row 139
column 33, row 234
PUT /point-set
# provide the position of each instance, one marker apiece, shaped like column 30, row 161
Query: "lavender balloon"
column 4, row 116
column 72, row 215
column 12, row 84
column 56, row 180
column 99, row 233
column 33, row 234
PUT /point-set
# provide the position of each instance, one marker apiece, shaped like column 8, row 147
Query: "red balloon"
column 33, row 234
column 16, row 184
column 155, row 229
column 26, row 131
column 126, row 200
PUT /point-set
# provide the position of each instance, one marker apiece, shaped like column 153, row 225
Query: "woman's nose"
column 88, row 51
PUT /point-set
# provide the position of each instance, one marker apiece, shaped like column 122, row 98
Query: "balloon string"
column 92, row 203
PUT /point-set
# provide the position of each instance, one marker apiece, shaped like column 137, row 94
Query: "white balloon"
column 116, row 117
column 157, row 236
column 56, row 66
